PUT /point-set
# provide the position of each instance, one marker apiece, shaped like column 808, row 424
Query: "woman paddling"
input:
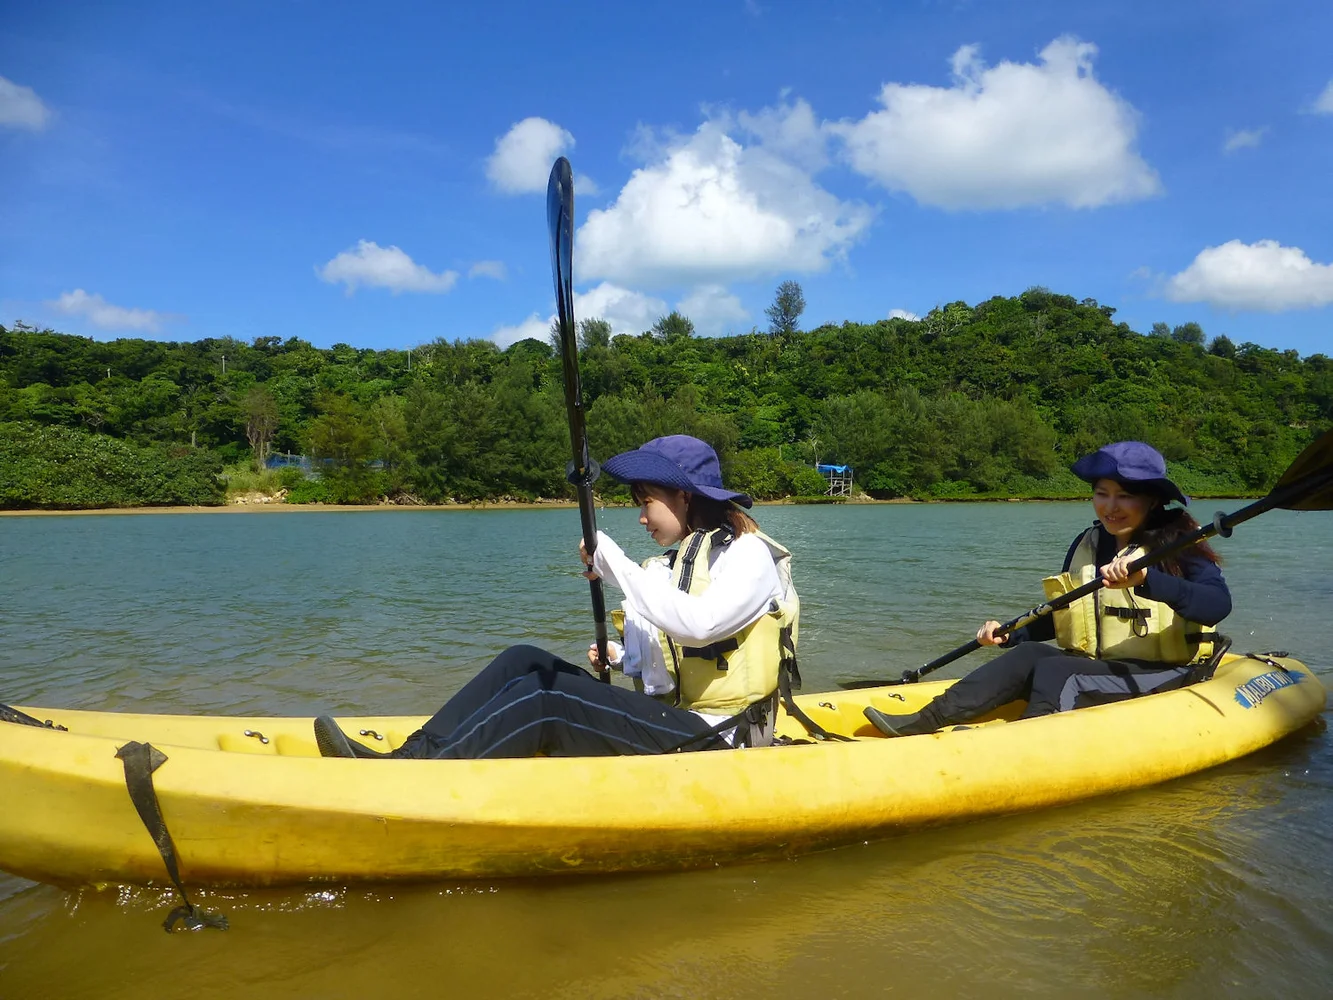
column 705, row 629
column 1136, row 636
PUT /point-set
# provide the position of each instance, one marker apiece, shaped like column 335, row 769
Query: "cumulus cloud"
column 627, row 311
column 102, row 314
column 1005, row 136
column 911, row 317
column 533, row 327
column 488, row 269
column 713, row 310
column 1323, row 104
column 521, row 163
column 1263, row 276
column 20, row 107
column 708, row 209
column 375, row 266
column 790, row 130
column 1243, row 138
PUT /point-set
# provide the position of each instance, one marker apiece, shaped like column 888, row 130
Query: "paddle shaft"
column 1222, row 524
column 582, row 470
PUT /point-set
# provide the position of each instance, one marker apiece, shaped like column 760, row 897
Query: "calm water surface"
column 1216, row 885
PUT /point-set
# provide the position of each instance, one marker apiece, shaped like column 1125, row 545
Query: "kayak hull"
column 249, row 802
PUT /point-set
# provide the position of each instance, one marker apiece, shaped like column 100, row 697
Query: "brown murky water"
column 1216, row 885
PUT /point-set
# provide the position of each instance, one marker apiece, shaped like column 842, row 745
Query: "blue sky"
column 375, row 174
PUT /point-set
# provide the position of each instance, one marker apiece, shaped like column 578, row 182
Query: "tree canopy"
column 988, row 400
column 785, row 312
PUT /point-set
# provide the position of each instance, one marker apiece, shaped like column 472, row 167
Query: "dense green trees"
column 69, row 468
column 994, row 399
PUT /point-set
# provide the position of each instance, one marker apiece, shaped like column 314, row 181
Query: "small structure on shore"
column 839, row 479
column 286, row 460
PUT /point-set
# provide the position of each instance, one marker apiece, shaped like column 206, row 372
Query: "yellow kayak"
column 248, row 801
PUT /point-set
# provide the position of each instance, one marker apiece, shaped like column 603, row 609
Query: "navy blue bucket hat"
column 678, row 462
column 1136, row 466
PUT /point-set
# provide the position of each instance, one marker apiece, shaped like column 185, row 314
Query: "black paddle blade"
column 560, row 226
column 560, row 223
column 1314, row 467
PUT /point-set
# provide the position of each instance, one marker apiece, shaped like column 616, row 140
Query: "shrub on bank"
column 66, row 468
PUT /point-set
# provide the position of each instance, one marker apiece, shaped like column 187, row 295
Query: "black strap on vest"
column 141, row 760
column 1128, row 614
column 687, row 560
column 716, row 651
column 755, row 715
column 789, row 677
column 1135, row 615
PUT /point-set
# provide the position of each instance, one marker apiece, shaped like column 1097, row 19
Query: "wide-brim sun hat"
column 678, row 462
column 1138, row 467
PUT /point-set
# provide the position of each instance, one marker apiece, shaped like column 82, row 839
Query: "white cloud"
column 708, row 209
column 488, row 269
column 102, row 314
column 791, row 131
column 1243, row 138
column 1323, row 104
column 375, row 266
column 713, row 310
column 20, row 107
column 1005, row 136
column 911, row 317
column 534, row 327
column 1263, row 276
column 627, row 311
column 521, row 163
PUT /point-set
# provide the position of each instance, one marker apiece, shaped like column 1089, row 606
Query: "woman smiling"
column 1138, row 635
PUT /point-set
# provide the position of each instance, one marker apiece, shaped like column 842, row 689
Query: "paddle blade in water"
column 1313, row 468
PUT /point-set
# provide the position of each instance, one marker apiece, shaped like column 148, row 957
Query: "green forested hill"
column 994, row 399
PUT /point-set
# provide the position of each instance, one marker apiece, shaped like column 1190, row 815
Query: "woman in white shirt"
column 708, row 627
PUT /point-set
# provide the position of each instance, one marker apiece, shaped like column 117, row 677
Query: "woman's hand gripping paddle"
column 1306, row 485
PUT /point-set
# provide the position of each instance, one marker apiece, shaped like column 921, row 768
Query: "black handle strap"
column 141, row 760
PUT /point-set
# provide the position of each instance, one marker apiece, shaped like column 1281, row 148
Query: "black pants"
column 1050, row 681
column 527, row 701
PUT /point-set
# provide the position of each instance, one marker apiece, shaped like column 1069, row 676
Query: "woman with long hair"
column 1138, row 635
column 706, row 629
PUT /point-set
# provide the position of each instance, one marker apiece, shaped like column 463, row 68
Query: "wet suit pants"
column 527, row 701
column 1050, row 681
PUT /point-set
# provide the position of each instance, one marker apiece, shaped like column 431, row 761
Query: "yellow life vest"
column 727, row 676
column 1112, row 623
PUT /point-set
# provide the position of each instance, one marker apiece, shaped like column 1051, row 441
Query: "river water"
column 1214, row 885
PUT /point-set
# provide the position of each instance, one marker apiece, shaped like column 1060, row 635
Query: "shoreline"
column 492, row 505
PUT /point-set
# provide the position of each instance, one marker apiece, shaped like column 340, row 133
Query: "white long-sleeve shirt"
column 742, row 584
